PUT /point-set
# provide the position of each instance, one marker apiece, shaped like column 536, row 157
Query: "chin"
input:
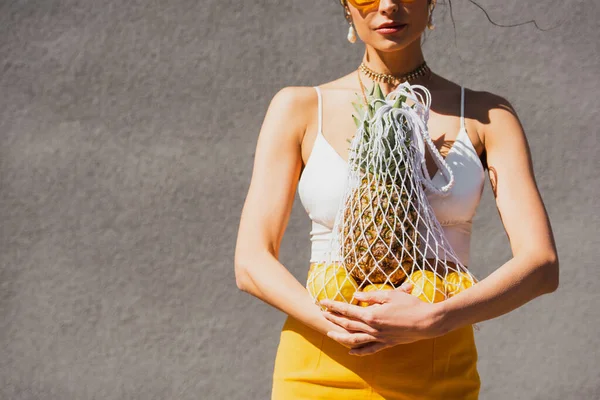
column 392, row 43
column 389, row 45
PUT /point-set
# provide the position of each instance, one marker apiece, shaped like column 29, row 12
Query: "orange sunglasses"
column 364, row 4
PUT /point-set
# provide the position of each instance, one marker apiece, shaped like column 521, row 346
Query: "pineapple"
column 379, row 217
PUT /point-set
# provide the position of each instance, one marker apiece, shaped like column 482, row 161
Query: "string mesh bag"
column 385, row 231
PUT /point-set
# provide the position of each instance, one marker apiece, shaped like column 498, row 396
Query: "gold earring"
column 351, row 34
column 431, row 23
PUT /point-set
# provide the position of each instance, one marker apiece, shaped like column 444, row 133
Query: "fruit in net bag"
column 386, row 231
column 331, row 281
column 456, row 282
column 427, row 286
column 379, row 233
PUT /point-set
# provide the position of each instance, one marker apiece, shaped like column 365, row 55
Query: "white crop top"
column 324, row 178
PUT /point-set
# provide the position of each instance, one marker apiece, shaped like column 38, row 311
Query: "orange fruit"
column 427, row 286
column 372, row 288
column 331, row 281
column 456, row 282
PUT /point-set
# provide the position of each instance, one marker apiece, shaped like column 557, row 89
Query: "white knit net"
column 385, row 231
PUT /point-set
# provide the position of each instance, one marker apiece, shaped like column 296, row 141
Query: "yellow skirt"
column 310, row 365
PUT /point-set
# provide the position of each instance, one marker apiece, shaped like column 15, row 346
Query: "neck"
column 395, row 63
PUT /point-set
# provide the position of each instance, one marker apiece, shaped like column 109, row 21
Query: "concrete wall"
column 127, row 136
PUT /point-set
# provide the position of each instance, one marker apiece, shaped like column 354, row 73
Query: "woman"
column 398, row 347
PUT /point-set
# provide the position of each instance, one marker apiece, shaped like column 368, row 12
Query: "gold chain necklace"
column 421, row 70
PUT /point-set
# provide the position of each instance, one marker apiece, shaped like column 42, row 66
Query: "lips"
column 391, row 29
column 388, row 25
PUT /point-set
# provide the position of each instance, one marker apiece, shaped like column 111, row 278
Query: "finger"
column 368, row 349
column 351, row 340
column 349, row 310
column 406, row 287
column 349, row 324
column 376, row 296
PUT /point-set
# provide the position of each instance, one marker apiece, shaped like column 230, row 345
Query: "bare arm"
column 533, row 270
column 267, row 208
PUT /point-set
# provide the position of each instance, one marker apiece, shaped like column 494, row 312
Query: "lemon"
column 427, row 286
column 456, row 282
column 331, row 281
column 374, row 287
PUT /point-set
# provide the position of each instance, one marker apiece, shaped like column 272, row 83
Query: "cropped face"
column 408, row 17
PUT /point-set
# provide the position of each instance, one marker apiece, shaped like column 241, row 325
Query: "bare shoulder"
column 290, row 107
column 294, row 95
column 494, row 115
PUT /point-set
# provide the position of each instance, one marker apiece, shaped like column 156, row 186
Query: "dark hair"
column 531, row 21
column 449, row 3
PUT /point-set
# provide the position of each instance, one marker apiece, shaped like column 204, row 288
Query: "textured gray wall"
column 127, row 135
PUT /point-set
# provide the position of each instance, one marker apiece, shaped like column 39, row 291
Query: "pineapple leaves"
column 399, row 101
column 371, row 90
column 359, row 109
column 378, row 95
column 377, row 92
column 387, row 144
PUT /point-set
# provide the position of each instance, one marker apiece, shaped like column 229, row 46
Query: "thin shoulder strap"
column 462, row 107
column 320, row 108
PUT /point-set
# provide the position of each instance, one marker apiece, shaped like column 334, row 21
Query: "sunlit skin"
column 284, row 145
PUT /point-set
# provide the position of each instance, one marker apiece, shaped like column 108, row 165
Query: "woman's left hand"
column 392, row 317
